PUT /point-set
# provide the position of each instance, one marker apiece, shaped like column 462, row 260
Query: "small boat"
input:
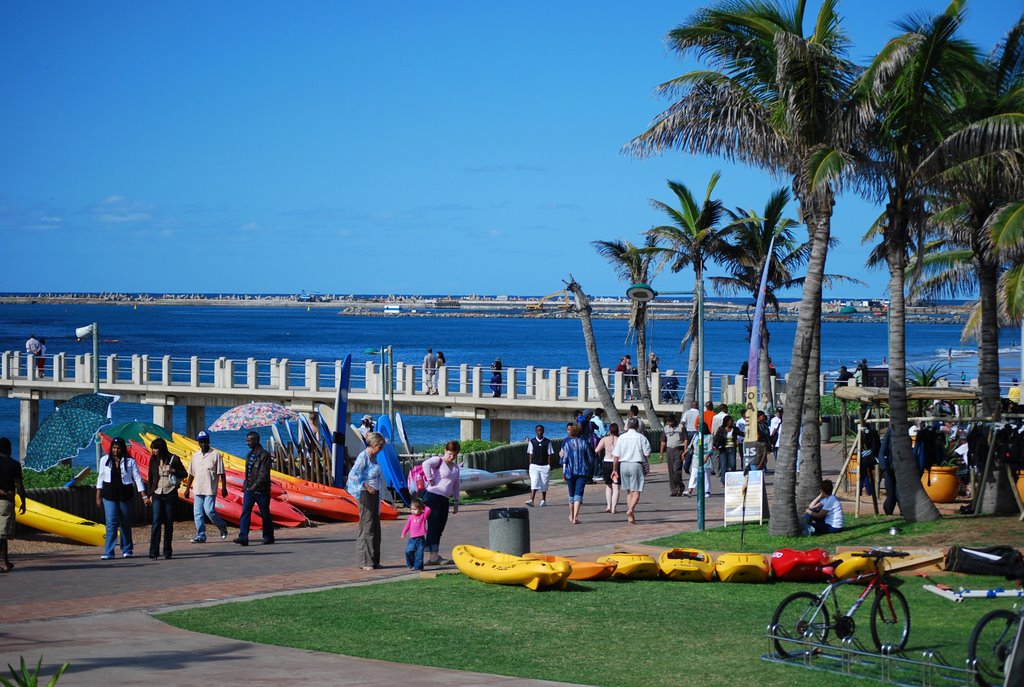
column 581, row 570
column 689, row 565
column 473, row 479
column 847, row 565
column 494, row 567
column 632, row 566
column 790, row 565
column 42, row 517
column 742, row 567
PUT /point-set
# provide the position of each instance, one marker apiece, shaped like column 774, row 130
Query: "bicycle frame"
column 877, row 584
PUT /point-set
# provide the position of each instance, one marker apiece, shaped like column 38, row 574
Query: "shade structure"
column 253, row 415
column 71, row 427
column 133, row 431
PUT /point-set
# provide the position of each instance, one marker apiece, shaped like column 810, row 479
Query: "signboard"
column 753, row 508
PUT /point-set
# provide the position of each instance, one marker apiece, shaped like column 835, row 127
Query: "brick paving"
column 51, row 594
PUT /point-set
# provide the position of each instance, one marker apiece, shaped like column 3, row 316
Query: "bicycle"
column 991, row 643
column 807, row 616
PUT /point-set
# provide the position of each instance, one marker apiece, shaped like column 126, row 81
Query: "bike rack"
column 851, row 658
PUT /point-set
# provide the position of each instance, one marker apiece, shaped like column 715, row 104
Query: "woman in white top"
column 117, row 483
column 611, row 486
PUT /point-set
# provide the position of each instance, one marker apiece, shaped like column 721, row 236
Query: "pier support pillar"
column 164, row 416
column 195, row 420
column 28, row 423
column 501, row 430
column 470, row 429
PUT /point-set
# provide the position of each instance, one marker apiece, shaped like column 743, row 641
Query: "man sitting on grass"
column 825, row 514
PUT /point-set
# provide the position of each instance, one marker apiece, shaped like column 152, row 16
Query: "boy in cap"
column 206, row 467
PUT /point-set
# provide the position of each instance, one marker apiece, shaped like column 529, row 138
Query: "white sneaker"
column 529, row 503
column 543, row 503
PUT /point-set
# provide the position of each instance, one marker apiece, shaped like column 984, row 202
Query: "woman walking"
column 116, row 483
column 577, row 468
column 605, row 447
column 444, row 487
column 364, row 484
column 166, row 473
column 727, row 438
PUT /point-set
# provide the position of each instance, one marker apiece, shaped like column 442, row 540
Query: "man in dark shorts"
column 10, row 483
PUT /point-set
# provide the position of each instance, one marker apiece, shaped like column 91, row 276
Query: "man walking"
column 257, row 490
column 430, row 372
column 540, row 450
column 628, row 460
column 10, row 484
column 206, row 468
column 672, row 446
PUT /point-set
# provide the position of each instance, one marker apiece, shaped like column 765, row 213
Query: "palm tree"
column 774, row 97
column 746, row 252
column 693, row 238
column 633, row 264
column 584, row 310
column 918, row 90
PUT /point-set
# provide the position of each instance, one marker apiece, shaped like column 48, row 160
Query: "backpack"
column 993, row 560
column 417, row 480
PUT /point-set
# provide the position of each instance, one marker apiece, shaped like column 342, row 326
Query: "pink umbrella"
column 253, row 415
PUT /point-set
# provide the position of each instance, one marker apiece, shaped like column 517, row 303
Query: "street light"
column 644, row 293
column 81, row 333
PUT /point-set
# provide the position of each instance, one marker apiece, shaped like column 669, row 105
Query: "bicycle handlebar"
column 876, row 552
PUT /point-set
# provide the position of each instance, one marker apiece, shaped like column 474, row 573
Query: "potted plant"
column 940, row 481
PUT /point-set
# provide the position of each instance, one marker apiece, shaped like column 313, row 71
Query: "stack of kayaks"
column 790, row 565
column 742, row 567
column 494, row 567
column 690, row 565
column 632, row 566
column 581, row 570
column 318, row 500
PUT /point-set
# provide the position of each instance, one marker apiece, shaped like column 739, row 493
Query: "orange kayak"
column 581, row 570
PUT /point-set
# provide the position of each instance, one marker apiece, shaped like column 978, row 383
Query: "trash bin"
column 509, row 530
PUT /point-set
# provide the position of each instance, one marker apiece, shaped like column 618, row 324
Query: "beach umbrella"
column 253, row 415
column 133, row 431
column 71, row 427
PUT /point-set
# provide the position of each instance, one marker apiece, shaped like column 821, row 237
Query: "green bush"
column 57, row 476
column 468, row 446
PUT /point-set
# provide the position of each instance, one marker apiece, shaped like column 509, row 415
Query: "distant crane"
column 566, row 305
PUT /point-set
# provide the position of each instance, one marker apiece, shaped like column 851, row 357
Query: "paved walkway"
column 70, row 606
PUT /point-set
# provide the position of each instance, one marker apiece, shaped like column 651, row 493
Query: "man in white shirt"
column 775, row 430
column 723, row 410
column 205, row 470
column 825, row 514
column 690, row 419
column 430, row 372
column 628, row 460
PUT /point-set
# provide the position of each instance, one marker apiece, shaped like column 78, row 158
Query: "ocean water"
column 322, row 334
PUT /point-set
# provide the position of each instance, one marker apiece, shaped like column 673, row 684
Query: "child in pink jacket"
column 416, row 528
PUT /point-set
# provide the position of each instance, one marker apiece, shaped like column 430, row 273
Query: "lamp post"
column 643, row 293
column 81, row 333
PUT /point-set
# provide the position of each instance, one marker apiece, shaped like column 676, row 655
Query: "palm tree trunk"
column 764, row 379
column 690, row 395
column 816, row 211
column 997, row 498
column 914, row 502
column 809, row 478
column 584, row 311
column 641, row 353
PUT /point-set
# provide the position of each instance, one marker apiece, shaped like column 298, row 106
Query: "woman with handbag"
column 166, row 473
column 577, row 468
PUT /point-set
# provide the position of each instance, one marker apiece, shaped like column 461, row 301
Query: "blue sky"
column 343, row 147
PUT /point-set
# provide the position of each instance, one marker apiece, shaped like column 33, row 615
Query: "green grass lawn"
column 628, row 634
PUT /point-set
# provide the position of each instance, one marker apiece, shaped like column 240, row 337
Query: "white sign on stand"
column 750, row 509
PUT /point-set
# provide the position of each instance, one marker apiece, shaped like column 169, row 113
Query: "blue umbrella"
column 71, row 427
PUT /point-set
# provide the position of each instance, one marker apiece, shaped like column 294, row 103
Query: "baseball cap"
column 203, row 434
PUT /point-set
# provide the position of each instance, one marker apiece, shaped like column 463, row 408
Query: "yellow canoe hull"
column 632, row 566
column 494, row 567
column 687, row 565
column 581, row 570
column 42, row 517
column 851, row 565
column 742, row 567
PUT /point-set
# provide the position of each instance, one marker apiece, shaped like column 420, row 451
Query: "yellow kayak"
column 742, row 567
column 494, row 567
column 632, row 566
column 690, row 565
column 851, row 566
column 581, row 570
column 41, row 517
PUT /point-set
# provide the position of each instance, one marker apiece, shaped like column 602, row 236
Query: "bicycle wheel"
column 990, row 645
column 890, row 620
column 800, row 616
